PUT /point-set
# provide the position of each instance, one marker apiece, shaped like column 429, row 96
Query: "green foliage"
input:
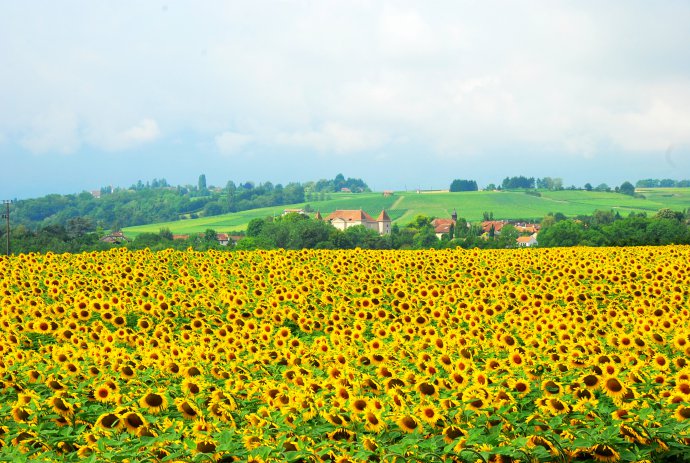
column 627, row 188
column 511, row 183
column 606, row 228
column 663, row 183
column 463, row 185
column 549, row 183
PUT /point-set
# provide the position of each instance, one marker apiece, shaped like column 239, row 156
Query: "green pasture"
column 403, row 206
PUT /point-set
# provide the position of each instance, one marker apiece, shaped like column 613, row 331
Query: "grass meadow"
column 404, row 206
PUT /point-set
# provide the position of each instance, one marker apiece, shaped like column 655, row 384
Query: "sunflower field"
column 526, row 355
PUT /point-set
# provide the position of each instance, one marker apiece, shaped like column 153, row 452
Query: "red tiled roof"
column 442, row 225
column 497, row 224
column 383, row 217
column 350, row 216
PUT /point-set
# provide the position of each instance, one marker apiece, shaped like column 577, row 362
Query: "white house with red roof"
column 343, row 219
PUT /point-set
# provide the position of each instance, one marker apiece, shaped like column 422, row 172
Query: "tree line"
column 608, row 228
column 555, row 184
column 298, row 231
column 157, row 201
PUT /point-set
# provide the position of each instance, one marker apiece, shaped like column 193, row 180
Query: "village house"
column 497, row 225
column 116, row 237
column 343, row 219
column 530, row 228
column 445, row 226
column 223, row 238
column 527, row 241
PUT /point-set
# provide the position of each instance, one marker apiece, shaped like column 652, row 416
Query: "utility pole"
column 6, row 216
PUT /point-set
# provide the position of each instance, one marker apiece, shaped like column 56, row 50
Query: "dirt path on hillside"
column 397, row 201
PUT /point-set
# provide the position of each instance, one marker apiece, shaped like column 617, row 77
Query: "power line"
column 6, row 216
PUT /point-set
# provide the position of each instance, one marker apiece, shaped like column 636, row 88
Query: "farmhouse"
column 497, row 225
column 116, row 237
column 530, row 228
column 527, row 241
column 343, row 219
column 223, row 238
column 445, row 226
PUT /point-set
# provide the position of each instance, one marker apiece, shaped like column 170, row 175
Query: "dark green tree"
column 463, row 185
column 563, row 233
column 627, row 188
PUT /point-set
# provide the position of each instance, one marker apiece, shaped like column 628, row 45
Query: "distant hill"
column 403, row 206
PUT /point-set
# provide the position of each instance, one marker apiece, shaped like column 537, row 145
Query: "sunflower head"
column 154, row 402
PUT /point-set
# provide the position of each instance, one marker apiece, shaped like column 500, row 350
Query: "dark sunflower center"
column 154, row 400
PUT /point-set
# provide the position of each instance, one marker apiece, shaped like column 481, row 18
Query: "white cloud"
column 449, row 79
column 334, row 137
column 53, row 131
column 232, row 142
column 656, row 128
column 404, row 32
column 145, row 131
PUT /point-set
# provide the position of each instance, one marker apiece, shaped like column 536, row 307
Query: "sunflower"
column 519, row 386
column 34, row 376
column 61, row 406
column 682, row 413
column 54, row 383
column 407, row 423
column 660, row 362
column 202, row 427
column 104, row 393
column 187, row 408
column 191, row 371
column 558, row 407
column 335, row 418
column 539, row 441
column 109, row 421
column 631, row 435
column 551, row 388
column 373, row 422
column 22, row 415
column 206, row 445
column 429, row 414
column 604, row 452
column 516, row 359
column 475, row 398
column 590, row 381
column 341, row 434
column 613, row 387
column 370, row 444
column 133, row 421
column 359, row 404
column 427, row 389
column 192, row 386
column 127, row 372
column 452, row 433
column 154, row 402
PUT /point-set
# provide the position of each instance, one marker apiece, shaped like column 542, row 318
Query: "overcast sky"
column 400, row 94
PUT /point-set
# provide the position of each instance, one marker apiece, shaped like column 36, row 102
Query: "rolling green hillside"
column 404, row 206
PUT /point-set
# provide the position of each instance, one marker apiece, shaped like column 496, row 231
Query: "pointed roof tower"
column 383, row 216
column 318, row 215
column 454, row 216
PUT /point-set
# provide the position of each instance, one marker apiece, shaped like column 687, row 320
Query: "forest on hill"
column 157, row 201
